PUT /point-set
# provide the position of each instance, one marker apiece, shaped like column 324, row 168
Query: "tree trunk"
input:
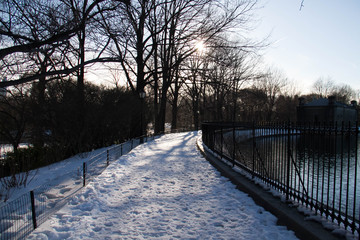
column 196, row 113
column 174, row 111
column 39, row 118
column 162, row 112
column 80, row 115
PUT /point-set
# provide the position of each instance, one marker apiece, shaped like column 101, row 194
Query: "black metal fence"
column 18, row 218
column 315, row 165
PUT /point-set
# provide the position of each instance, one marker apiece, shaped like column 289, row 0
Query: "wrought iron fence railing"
column 315, row 165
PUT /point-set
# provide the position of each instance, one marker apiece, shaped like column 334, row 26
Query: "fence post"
column 32, row 197
column 107, row 157
column 234, row 145
column 253, row 149
column 84, row 174
column 288, row 164
column 222, row 142
column 356, row 161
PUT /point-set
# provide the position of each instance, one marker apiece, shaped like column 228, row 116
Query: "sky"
column 320, row 40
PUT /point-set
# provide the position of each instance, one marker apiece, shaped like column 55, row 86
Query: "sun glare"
column 200, row 47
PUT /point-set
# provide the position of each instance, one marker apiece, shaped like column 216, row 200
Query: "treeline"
column 53, row 128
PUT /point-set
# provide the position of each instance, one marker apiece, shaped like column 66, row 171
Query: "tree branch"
column 65, row 72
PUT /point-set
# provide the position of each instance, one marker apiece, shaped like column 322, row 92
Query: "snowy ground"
column 50, row 174
column 163, row 189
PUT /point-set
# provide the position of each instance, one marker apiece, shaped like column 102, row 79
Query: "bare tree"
column 272, row 84
column 55, row 25
column 323, row 87
column 156, row 36
column 129, row 40
column 344, row 93
column 25, row 23
column 225, row 69
column 177, row 21
column 185, row 23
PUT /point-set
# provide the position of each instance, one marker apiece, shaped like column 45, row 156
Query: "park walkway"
column 162, row 189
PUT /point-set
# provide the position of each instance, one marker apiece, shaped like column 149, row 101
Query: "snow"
column 162, row 189
column 51, row 174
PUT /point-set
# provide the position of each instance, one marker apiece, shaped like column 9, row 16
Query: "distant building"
column 326, row 110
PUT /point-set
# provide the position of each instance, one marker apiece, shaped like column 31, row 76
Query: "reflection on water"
column 324, row 170
column 316, row 166
column 330, row 170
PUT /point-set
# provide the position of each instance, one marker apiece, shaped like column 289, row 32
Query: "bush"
column 26, row 159
column 15, row 167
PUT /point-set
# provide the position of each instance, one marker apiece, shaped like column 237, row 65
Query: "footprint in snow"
column 108, row 224
column 218, row 224
column 64, row 190
column 97, row 229
column 86, row 207
column 50, row 196
column 103, row 190
column 62, row 229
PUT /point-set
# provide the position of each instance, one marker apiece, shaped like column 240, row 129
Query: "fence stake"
column 356, row 161
column 84, row 173
column 33, row 209
column 253, row 149
column 234, row 146
column 222, row 141
column 107, row 157
column 288, row 164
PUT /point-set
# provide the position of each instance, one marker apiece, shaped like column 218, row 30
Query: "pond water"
column 324, row 169
column 321, row 170
column 330, row 170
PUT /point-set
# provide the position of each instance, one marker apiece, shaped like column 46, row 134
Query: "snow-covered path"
column 163, row 189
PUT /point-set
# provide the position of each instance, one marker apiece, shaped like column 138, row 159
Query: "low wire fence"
column 21, row 216
column 315, row 165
